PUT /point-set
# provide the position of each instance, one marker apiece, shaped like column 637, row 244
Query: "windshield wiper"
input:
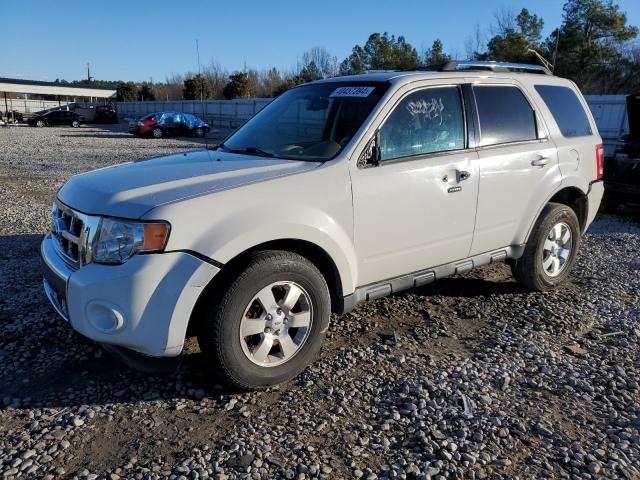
column 248, row 151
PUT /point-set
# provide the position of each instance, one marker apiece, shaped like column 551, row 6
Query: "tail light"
column 599, row 161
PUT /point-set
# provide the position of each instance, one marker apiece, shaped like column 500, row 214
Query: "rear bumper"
column 143, row 305
column 594, row 197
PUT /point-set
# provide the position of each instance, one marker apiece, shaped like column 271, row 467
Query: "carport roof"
column 14, row 85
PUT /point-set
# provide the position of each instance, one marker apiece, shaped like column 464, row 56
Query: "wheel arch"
column 318, row 256
column 571, row 196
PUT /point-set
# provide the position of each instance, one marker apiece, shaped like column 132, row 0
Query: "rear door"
column 518, row 164
column 416, row 209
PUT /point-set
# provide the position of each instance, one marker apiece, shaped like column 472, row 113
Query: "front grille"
column 72, row 232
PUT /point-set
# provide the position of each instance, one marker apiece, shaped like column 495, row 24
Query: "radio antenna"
column 201, row 79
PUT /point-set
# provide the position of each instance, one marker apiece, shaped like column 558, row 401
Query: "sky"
column 140, row 41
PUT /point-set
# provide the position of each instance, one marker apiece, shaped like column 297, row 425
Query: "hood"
column 130, row 190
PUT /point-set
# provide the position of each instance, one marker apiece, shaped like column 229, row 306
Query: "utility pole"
column 88, row 72
column 555, row 51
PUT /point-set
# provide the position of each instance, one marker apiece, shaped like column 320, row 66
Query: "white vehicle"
column 339, row 191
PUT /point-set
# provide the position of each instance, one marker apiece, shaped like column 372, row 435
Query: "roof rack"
column 493, row 67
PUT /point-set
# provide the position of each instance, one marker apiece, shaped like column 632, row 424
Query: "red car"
column 144, row 126
column 163, row 124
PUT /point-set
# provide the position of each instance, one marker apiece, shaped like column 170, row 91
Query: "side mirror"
column 370, row 156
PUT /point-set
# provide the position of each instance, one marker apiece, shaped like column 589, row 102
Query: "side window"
column 566, row 110
column 427, row 121
column 505, row 115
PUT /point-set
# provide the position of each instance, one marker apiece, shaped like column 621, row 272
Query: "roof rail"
column 494, row 67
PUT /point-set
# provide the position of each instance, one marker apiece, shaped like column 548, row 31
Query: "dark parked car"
column 56, row 117
column 622, row 171
column 163, row 124
column 106, row 114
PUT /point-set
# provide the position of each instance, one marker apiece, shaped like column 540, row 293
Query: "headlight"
column 119, row 240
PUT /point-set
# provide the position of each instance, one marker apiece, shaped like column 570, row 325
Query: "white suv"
column 339, row 191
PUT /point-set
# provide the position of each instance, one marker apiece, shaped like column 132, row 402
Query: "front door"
column 416, row 209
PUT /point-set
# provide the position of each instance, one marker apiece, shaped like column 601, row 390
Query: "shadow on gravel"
column 470, row 288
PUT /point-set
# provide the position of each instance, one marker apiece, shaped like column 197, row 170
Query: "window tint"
column 566, row 110
column 505, row 115
column 427, row 121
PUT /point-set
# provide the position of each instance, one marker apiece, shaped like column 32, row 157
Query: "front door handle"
column 541, row 161
column 462, row 175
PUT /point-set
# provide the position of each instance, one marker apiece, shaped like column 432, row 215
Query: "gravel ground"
column 485, row 380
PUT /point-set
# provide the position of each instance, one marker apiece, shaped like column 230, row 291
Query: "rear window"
column 505, row 115
column 566, row 110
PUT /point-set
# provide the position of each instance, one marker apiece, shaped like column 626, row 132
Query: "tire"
column 199, row 132
column 75, row 124
column 157, row 132
column 243, row 361
column 543, row 267
column 41, row 123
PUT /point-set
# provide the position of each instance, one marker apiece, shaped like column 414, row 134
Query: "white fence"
column 29, row 106
column 218, row 113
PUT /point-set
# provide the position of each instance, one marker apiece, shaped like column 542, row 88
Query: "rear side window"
column 566, row 110
column 505, row 115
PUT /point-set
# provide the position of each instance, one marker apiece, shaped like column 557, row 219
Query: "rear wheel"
column 157, row 132
column 268, row 325
column 75, row 124
column 40, row 123
column 199, row 132
column 551, row 250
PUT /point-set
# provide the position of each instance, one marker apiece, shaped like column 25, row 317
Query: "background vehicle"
column 56, row 117
column 337, row 192
column 163, row 124
column 622, row 171
column 106, row 114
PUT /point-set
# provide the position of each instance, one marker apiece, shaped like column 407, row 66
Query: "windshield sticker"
column 430, row 109
column 352, row 92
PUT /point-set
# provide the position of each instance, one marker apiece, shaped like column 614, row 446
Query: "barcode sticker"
column 352, row 92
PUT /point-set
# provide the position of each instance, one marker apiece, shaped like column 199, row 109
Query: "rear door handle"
column 541, row 161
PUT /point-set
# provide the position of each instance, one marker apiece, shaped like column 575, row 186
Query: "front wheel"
column 157, row 132
column 551, row 250
column 199, row 132
column 40, row 123
column 268, row 325
column 75, row 124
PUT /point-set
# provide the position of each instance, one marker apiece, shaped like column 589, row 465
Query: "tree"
column 324, row 62
column 515, row 36
column 216, row 76
column 126, row 92
column 196, row 88
column 381, row 52
column 239, row 86
column 146, row 93
column 590, row 42
column 435, row 55
column 310, row 72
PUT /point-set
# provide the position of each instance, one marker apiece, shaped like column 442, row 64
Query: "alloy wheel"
column 557, row 249
column 276, row 324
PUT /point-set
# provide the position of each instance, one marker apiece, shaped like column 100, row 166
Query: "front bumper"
column 143, row 305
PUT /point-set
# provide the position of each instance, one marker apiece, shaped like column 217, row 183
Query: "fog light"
column 104, row 316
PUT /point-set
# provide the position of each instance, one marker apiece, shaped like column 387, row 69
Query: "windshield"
column 313, row 122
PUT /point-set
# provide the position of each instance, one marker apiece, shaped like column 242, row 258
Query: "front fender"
column 314, row 206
